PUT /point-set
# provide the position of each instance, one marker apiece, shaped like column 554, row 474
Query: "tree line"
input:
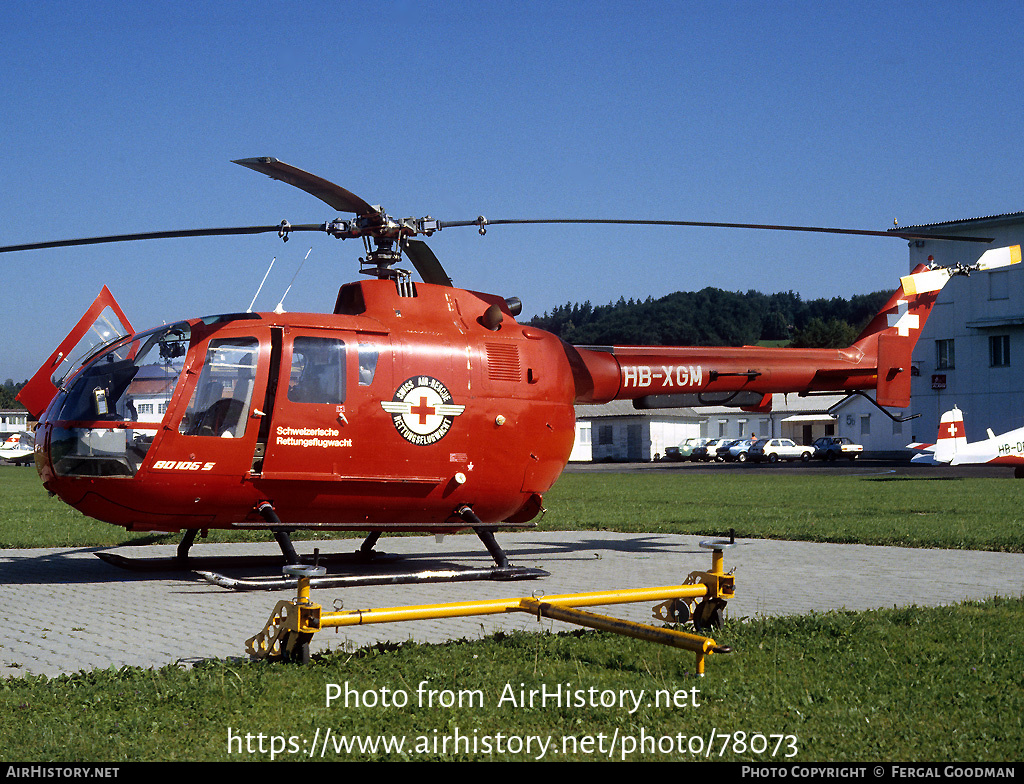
column 713, row 317
column 7, row 392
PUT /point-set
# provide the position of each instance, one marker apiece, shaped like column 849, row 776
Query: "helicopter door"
column 218, row 429
column 102, row 323
column 324, row 418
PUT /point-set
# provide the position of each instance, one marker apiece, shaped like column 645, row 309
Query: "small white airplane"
column 951, row 446
column 18, row 449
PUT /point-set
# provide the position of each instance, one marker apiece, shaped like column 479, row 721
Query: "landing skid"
column 205, row 566
column 207, row 562
column 346, row 581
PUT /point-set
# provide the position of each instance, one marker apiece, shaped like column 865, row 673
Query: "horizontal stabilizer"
column 893, row 387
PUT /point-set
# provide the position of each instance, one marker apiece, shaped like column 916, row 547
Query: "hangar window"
column 999, row 285
column 999, row 351
column 945, row 358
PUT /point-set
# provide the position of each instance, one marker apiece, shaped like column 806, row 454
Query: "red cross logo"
column 422, row 410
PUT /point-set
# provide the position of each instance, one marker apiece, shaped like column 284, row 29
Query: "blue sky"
column 118, row 117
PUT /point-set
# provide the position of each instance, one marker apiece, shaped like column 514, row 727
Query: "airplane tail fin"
column 952, row 437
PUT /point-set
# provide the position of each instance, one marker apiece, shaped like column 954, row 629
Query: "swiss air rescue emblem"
column 422, row 410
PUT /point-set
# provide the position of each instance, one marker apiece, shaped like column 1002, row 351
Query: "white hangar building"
column 618, row 432
column 971, row 351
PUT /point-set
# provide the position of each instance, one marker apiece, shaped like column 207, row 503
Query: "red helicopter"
column 412, row 406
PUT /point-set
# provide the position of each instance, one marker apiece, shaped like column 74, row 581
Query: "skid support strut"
column 293, row 623
column 366, row 551
column 284, row 541
column 486, row 536
column 186, row 544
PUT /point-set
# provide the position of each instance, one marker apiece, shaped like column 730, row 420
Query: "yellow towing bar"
column 293, row 623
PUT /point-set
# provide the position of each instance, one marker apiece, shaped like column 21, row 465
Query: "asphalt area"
column 813, row 467
column 66, row 610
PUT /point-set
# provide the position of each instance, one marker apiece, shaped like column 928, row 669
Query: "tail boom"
column 879, row 359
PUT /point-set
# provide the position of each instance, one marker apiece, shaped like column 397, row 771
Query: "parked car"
column 832, row 447
column 706, row 451
column 775, row 449
column 738, row 451
column 684, row 450
column 722, row 451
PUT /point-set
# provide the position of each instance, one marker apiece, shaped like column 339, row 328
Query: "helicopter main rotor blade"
column 326, row 191
column 482, row 223
column 426, row 263
column 281, row 228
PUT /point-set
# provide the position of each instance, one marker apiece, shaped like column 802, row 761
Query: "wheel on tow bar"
column 299, row 651
column 709, row 614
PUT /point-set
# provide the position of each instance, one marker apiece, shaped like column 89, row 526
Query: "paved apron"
column 65, row 610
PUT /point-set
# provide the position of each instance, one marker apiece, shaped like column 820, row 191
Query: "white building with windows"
column 12, row 420
column 618, row 432
column 880, row 434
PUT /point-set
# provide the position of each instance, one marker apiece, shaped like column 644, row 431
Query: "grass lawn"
column 970, row 513
column 890, row 685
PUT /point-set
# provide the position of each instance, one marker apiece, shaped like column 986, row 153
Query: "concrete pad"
column 65, row 610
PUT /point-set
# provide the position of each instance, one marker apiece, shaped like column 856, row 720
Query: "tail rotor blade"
column 999, row 257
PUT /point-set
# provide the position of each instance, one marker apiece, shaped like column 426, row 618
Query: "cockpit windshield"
column 111, row 409
column 106, row 329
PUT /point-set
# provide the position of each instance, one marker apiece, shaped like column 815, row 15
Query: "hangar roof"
column 1006, row 217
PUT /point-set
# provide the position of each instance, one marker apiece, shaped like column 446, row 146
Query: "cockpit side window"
column 318, row 371
column 221, row 400
column 368, row 355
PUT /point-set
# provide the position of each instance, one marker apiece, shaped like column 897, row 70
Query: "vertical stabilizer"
column 891, row 335
column 952, row 437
